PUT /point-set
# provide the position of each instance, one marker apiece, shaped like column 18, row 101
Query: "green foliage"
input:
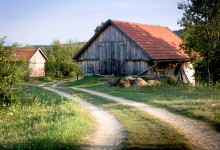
column 60, row 59
column 201, row 33
column 12, row 72
column 43, row 120
column 99, row 27
column 173, row 81
column 217, row 85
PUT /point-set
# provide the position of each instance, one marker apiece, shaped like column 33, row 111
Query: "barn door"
column 112, row 57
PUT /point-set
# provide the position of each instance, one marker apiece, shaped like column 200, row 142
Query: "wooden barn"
column 36, row 58
column 125, row 48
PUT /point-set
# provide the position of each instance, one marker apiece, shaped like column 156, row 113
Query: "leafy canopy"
column 60, row 59
column 12, row 72
column 202, row 33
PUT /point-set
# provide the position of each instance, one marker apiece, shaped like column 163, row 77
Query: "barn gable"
column 132, row 49
column 112, row 52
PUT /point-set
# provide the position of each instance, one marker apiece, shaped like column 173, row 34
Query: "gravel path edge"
column 198, row 133
column 108, row 134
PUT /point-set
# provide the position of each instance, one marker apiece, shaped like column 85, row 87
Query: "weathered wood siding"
column 37, row 65
column 113, row 53
column 189, row 70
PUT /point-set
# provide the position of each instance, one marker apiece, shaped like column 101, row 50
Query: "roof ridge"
column 135, row 23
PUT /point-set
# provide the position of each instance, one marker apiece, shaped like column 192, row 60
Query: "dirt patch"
column 129, row 81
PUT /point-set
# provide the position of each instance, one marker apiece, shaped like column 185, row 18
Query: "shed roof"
column 159, row 42
column 27, row 53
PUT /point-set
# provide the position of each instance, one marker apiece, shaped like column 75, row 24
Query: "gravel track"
column 108, row 133
column 199, row 134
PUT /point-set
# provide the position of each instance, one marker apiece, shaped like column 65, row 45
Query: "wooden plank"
column 112, row 48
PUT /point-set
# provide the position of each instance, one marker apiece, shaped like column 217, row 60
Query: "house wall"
column 37, row 65
column 113, row 53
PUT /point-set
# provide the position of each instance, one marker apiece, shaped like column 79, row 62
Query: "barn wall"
column 189, row 70
column 92, row 65
column 171, row 69
column 164, row 68
column 113, row 53
column 37, row 65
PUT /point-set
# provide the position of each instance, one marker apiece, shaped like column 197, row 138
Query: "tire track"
column 199, row 134
column 108, row 134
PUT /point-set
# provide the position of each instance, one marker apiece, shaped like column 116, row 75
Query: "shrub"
column 12, row 72
column 173, row 81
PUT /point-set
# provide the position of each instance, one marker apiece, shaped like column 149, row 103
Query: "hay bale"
column 129, row 78
column 121, row 82
column 139, row 82
column 153, row 82
column 114, row 82
column 125, row 82
column 130, row 81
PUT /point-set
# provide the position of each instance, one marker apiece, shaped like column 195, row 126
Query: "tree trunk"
column 208, row 72
column 208, row 77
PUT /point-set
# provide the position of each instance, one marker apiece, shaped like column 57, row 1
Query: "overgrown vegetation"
column 60, row 59
column 99, row 27
column 195, row 102
column 12, row 73
column 43, row 120
column 143, row 130
column 201, row 34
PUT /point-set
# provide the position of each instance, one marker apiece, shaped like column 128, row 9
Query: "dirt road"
column 198, row 133
column 108, row 133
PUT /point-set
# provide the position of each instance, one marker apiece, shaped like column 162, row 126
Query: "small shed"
column 126, row 48
column 36, row 58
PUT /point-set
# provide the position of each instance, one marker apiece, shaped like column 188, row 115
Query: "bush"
column 173, row 81
column 217, row 85
column 12, row 73
column 60, row 59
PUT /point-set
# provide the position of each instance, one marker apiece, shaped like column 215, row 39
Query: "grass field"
column 43, row 120
column 143, row 130
column 196, row 102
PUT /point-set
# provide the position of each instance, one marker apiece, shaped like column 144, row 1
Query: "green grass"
column 43, row 120
column 195, row 102
column 47, row 79
column 143, row 130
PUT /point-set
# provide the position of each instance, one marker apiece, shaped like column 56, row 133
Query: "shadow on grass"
column 158, row 146
column 40, row 144
column 49, row 144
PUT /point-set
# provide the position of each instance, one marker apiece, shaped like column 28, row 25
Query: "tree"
column 56, row 57
column 12, row 72
column 60, row 59
column 201, row 34
column 73, row 47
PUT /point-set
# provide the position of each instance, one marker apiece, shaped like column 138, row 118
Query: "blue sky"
column 42, row 21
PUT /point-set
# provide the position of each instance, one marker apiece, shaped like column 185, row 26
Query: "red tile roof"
column 26, row 53
column 160, row 42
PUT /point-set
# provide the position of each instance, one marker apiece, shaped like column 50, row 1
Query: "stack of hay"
column 130, row 81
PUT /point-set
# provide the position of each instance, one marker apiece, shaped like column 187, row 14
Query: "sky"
column 40, row 22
